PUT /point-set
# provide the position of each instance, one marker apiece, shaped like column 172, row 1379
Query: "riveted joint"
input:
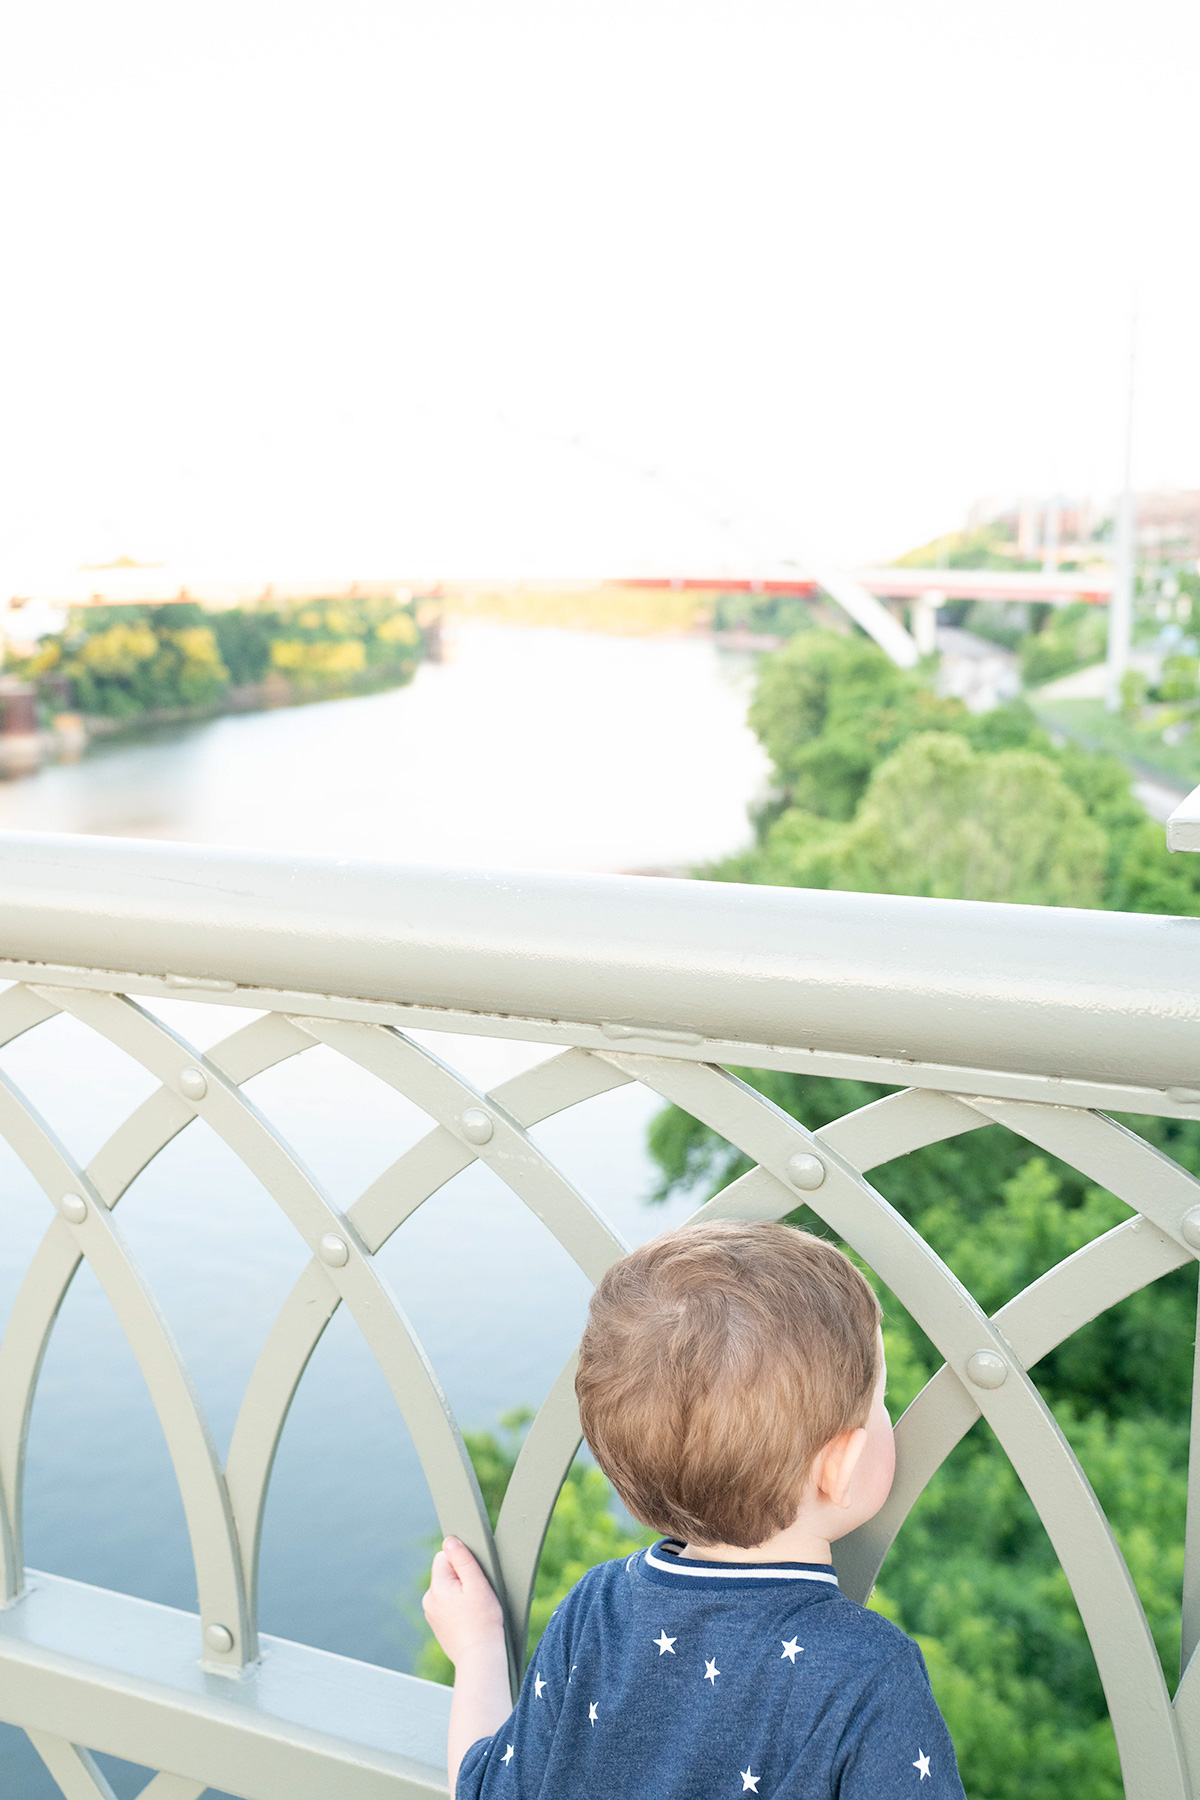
column 334, row 1250
column 987, row 1369
column 193, row 1084
column 476, row 1125
column 805, row 1171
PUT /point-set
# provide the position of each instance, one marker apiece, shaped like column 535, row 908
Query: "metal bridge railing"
column 1041, row 1019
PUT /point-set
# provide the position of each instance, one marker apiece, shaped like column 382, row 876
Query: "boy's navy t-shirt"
column 667, row 1678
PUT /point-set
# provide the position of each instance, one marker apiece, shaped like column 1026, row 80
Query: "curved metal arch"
column 180, row 1415
column 1144, row 1722
column 536, row 1094
column 250, row 1050
column 389, row 1334
column 1098, row 1275
column 1036, row 1321
column 507, row 1149
column 21, row 1009
column 1109, row 1154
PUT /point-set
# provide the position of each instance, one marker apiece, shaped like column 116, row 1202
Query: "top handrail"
column 1056, row 993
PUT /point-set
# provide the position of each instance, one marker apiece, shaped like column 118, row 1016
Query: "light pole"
column 1120, row 609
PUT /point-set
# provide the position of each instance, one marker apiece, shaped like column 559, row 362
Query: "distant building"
column 1168, row 526
column 1064, row 528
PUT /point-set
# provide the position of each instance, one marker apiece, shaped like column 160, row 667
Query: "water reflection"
column 548, row 749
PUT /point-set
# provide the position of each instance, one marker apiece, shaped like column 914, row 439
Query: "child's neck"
column 798, row 1543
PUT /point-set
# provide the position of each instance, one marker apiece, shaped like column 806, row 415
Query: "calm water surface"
column 539, row 748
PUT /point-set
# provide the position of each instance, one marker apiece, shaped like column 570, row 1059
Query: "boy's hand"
column 462, row 1611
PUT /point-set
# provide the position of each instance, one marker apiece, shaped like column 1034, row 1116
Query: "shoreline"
column 73, row 734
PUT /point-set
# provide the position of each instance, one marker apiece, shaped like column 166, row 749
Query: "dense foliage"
column 772, row 615
column 881, row 785
column 121, row 662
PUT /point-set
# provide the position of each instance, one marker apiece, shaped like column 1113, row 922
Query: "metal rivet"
column 1187, row 1095
column 477, row 1127
column 986, row 1369
column 219, row 1638
column 192, row 1084
column 334, row 1250
column 1189, row 1227
column 73, row 1207
column 805, row 1170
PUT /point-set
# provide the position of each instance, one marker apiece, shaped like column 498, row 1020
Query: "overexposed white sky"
column 426, row 286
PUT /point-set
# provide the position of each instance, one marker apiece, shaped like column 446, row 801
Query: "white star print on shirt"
column 592, row 1713
column 538, row 1685
column 665, row 1643
column 749, row 1782
column 508, row 1755
column 922, row 1763
column 791, row 1650
column 711, row 1670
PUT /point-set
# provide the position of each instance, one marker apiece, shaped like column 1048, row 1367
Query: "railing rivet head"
column 192, row 1084
column 805, row 1170
column 476, row 1126
column 986, row 1369
column 219, row 1638
column 73, row 1207
column 334, row 1250
column 1189, row 1227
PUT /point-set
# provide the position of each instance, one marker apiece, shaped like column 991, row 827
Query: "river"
column 536, row 748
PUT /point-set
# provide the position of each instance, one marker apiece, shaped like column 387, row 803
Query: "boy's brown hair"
column 718, row 1360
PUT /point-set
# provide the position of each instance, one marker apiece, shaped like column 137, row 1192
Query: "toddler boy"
column 731, row 1387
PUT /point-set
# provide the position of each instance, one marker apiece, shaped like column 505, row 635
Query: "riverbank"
column 257, row 696
column 69, row 734
column 113, row 671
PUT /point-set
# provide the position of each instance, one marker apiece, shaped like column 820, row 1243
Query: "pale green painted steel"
column 1029, row 1017
column 75, row 1770
column 193, row 1454
column 119, row 1675
column 1056, row 1001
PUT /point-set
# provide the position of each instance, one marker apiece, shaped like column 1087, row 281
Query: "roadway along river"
column 541, row 748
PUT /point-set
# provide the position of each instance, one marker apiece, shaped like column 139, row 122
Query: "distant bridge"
column 863, row 594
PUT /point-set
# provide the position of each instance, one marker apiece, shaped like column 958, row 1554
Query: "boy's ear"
column 836, row 1465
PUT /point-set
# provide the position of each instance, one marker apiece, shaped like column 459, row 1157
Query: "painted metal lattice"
column 985, row 1370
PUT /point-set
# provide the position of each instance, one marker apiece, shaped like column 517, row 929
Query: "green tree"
column 942, row 819
column 828, row 709
column 124, row 661
column 244, row 636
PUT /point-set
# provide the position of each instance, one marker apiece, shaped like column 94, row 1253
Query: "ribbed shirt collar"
column 665, row 1563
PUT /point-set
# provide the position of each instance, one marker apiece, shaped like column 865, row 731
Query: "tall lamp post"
column 1120, row 610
